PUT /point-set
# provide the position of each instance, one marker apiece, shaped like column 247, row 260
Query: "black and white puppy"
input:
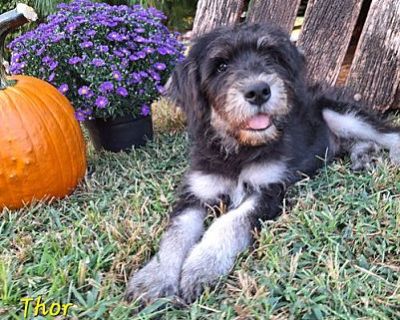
column 256, row 128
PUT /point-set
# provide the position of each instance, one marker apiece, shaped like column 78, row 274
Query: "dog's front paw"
column 202, row 268
column 193, row 281
column 152, row 282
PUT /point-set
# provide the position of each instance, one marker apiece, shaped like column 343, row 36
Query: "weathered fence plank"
column 326, row 35
column 281, row 12
column 375, row 71
column 213, row 13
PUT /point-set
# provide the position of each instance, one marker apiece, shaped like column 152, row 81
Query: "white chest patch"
column 208, row 187
column 257, row 176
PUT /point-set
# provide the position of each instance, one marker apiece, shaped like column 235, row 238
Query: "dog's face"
column 239, row 81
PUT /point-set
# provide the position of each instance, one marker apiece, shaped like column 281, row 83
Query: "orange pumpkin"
column 42, row 150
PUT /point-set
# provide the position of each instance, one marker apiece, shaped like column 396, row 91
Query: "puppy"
column 256, row 127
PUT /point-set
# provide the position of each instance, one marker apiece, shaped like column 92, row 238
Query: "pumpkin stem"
column 10, row 21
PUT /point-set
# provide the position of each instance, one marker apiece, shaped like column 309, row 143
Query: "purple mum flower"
column 53, row 65
column 145, row 110
column 162, row 51
column 154, row 75
column 58, row 38
column 148, row 50
column 135, row 77
column 101, row 102
column 110, row 24
column 160, row 66
column 118, row 53
column 47, row 60
column 74, row 60
column 80, row 116
column 106, row 86
column 118, row 19
column 115, row 36
column 125, row 62
column 51, row 77
column 143, row 74
column 86, row 44
column 133, row 57
column 125, row 51
column 83, row 91
column 103, row 49
column 71, row 27
column 91, row 33
column 122, row 91
column 141, row 54
column 63, row 88
column 98, row 62
column 161, row 89
column 117, row 75
column 140, row 39
column 15, row 57
column 40, row 51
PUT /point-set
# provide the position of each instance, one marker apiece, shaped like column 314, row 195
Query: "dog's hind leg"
column 364, row 154
column 351, row 123
column 160, row 277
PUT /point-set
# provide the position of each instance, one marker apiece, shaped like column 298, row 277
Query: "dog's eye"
column 222, row 67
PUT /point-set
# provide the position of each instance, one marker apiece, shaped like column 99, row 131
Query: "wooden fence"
column 373, row 68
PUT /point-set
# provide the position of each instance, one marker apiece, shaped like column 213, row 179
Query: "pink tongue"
column 259, row 122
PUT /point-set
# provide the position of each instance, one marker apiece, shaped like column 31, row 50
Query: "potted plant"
column 110, row 62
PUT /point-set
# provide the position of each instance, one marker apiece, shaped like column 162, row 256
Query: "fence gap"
column 348, row 59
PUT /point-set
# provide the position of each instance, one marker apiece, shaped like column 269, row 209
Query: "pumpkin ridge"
column 37, row 158
column 12, row 104
column 78, row 137
column 39, row 116
column 67, row 139
column 8, row 189
column 75, row 129
column 72, row 177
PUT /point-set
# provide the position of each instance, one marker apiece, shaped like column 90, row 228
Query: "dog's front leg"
column 160, row 277
column 228, row 236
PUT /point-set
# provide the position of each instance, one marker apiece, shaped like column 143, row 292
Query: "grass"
column 334, row 253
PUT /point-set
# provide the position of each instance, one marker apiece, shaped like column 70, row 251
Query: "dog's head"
column 241, row 81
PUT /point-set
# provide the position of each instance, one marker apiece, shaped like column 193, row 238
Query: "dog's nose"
column 258, row 93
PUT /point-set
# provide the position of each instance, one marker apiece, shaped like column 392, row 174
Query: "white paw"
column 215, row 254
column 153, row 281
column 201, row 269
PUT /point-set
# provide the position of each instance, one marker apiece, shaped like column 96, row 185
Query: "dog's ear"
column 295, row 58
column 184, row 89
column 289, row 56
column 277, row 42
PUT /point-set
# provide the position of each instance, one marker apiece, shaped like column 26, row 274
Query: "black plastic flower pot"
column 120, row 134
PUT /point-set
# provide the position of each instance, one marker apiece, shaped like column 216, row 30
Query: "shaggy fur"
column 256, row 127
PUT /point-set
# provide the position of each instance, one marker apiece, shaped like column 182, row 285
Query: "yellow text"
column 54, row 309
